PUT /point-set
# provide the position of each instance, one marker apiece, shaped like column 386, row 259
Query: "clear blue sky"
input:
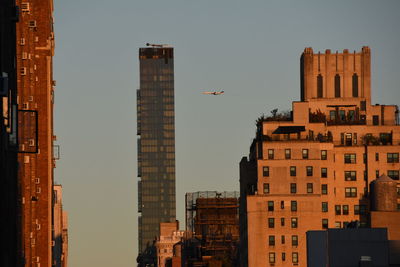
column 250, row 49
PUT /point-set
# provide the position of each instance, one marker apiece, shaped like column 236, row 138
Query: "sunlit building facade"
column 156, row 142
column 311, row 169
column 36, row 160
column 60, row 230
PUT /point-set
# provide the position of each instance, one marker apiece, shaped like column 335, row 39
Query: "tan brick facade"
column 311, row 170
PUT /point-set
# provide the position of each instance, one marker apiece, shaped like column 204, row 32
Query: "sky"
column 249, row 49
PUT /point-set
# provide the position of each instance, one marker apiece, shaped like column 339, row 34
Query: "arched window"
column 337, row 85
column 319, row 86
column 355, row 85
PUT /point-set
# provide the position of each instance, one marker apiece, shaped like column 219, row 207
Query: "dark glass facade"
column 156, row 142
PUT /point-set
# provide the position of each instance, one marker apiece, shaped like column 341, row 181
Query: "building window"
column 324, row 206
column 350, row 175
column 295, row 240
column 363, row 105
column 293, row 205
column 270, row 206
column 294, row 222
column 271, row 223
column 295, row 257
column 305, row 153
column 364, row 158
column 309, row 170
column 324, row 155
column 332, row 115
column 350, row 192
column 271, row 240
column 345, row 209
column 270, row 154
column 349, row 158
column 282, row 239
column 394, row 174
column 393, row 157
column 292, row 170
column 282, row 204
column 266, row 188
column 282, row 221
column 338, row 210
column 324, row 189
column 376, row 156
column 283, row 256
column 324, row 172
column 272, row 257
column 309, row 188
column 266, row 171
column 337, row 85
column 288, row 153
column 293, row 188
column 324, row 223
column 356, row 209
column 377, row 174
column 355, row 85
column 375, row 120
column 319, row 86
column 338, row 224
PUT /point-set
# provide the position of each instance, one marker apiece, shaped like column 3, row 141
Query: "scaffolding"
column 213, row 218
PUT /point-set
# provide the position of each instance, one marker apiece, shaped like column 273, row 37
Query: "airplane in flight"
column 214, row 93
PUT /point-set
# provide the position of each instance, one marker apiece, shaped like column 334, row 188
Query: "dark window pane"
column 337, row 85
column 355, row 85
column 319, row 86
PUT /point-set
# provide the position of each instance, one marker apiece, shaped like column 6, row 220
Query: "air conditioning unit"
column 37, row 180
column 31, row 142
column 38, row 190
column 32, row 24
column 38, row 226
column 23, row 71
column 25, row 7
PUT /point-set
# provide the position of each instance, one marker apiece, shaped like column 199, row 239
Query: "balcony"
column 337, row 118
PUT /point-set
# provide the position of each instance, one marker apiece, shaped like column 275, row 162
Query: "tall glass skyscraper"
column 156, row 142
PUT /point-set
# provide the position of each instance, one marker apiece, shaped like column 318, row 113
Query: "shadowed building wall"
column 9, row 240
column 156, row 142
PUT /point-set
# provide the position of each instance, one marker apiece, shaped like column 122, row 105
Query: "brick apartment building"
column 311, row 168
column 35, row 49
